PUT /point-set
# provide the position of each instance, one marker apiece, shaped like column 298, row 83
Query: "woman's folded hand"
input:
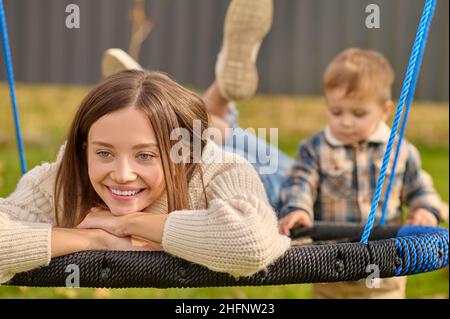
column 116, row 234
column 103, row 219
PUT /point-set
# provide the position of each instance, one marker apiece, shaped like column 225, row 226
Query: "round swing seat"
column 392, row 251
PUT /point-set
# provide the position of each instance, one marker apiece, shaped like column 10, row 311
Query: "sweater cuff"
column 24, row 246
column 180, row 229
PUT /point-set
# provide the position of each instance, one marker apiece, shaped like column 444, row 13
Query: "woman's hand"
column 103, row 219
column 139, row 229
column 112, row 242
column 68, row 240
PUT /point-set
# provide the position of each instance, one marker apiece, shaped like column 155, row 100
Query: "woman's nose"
column 123, row 172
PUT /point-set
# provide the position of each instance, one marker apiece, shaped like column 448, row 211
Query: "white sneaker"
column 246, row 24
column 116, row 60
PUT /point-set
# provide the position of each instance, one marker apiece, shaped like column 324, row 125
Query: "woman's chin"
column 120, row 211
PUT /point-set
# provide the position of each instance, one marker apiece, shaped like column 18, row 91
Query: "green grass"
column 435, row 162
column 46, row 112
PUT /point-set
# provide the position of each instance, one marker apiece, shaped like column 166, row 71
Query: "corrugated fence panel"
column 187, row 35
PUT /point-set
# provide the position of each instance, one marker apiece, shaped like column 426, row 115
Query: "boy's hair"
column 362, row 74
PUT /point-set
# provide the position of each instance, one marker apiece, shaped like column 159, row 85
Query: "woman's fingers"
column 129, row 243
column 140, row 242
column 101, row 219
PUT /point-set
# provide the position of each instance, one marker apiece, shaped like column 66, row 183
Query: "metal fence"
column 187, row 34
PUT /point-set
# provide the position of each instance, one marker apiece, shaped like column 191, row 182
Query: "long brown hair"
column 168, row 106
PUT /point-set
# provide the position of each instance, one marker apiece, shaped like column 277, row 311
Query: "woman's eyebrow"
column 102, row 144
column 137, row 146
column 144, row 145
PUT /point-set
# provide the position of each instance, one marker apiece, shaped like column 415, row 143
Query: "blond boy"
column 334, row 176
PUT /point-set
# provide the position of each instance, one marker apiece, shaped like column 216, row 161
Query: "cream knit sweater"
column 236, row 234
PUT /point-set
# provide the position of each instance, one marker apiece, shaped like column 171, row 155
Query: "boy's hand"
column 293, row 219
column 422, row 217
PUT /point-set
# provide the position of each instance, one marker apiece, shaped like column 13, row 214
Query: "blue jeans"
column 270, row 163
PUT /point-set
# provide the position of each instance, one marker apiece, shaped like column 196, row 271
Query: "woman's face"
column 124, row 163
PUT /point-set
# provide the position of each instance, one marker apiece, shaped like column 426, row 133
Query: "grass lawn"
column 46, row 112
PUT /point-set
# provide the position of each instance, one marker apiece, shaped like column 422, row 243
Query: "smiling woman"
column 114, row 180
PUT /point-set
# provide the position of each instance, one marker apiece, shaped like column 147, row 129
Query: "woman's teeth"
column 124, row 193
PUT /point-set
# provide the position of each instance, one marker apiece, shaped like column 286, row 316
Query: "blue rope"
column 421, row 249
column 418, row 43
column 422, row 253
column 9, row 70
column 405, row 120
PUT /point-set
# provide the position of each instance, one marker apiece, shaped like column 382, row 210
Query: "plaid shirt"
column 336, row 182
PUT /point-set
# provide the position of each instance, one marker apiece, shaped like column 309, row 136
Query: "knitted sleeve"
column 236, row 234
column 25, row 224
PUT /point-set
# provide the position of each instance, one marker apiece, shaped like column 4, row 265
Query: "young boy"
column 335, row 174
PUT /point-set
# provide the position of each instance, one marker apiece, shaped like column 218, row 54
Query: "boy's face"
column 354, row 120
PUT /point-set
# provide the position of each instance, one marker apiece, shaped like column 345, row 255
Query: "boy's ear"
column 387, row 108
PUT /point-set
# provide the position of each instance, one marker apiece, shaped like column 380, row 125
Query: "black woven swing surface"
column 304, row 264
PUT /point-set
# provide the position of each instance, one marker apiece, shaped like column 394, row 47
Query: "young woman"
column 119, row 177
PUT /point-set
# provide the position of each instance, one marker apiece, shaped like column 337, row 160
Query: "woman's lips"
column 124, row 197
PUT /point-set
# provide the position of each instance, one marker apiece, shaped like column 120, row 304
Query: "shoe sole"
column 116, row 60
column 246, row 24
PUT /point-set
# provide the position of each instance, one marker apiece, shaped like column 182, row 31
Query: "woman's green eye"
column 103, row 154
column 145, row 157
